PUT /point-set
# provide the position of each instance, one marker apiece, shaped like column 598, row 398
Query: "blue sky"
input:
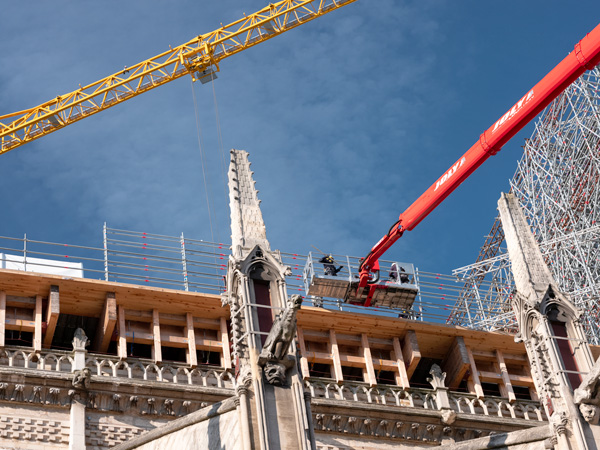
column 348, row 119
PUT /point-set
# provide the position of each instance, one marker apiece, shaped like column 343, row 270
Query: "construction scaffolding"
column 556, row 182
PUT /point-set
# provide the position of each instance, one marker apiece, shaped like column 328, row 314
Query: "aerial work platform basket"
column 396, row 288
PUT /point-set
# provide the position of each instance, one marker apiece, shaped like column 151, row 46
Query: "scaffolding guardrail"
column 178, row 262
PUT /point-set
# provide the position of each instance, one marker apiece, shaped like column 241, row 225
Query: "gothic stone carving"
column 80, row 340
column 81, row 379
column 437, row 377
column 272, row 357
column 282, row 332
column 587, row 395
column 395, row 430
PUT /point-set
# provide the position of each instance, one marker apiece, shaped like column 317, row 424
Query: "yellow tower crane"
column 198, row 57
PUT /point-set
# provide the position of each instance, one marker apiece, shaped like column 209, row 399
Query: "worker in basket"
column 398, row 274
column 329, row 265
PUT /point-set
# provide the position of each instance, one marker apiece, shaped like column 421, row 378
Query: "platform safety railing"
column 181, row 263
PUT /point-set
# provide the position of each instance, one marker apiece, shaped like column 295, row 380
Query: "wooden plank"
column 122, row 342
column 168, row 340
column 401, row 375
column 506, row 386
column 191, row 357
column 352, row 360
column 225, row 354
column 495, row 377
column 20, row 324
column 303, row 354
column 20, row 302
column 410, row 352
column 107, row 323
column 335, row 356
column 481, row 355
column 319, row 358
column 173, row 319
column 37, row 334
column 52, row 313
column 85, row 297
column 474, row 382
column 532, row 390
column 2, row 319
column 369, row 369
column 456, row 363
column 156, row 343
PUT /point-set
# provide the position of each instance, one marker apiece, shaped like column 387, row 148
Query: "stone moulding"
column 134, row 387
column 365, row 425
column 112, row 367
column 423, row 399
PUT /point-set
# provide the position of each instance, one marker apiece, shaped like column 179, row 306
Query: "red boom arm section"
column 585, row 56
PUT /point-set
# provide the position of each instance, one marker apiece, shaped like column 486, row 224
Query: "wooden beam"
column 122, row 343
column 303, row 354
column 335, row 356
column 2, row 319
column 225, row 354
column 481, row 355
column 156, row 344
column 401, row 375
column 168, row 340
column 474, row 382
column 20, row 302
column 106, row 326
column 506, row 386
column 532, row 390
column 456, row 363
column 191, row 357
column 369, row 369
column 496, row 377
column 410, row 352
column 52, row 313
column 172, row 319
column 37, row 334
column 21, row 325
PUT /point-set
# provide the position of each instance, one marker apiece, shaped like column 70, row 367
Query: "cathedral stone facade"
column 87, row 364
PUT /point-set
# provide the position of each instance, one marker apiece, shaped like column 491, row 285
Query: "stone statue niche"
column 273, row 357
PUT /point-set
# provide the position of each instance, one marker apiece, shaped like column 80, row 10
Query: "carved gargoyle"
column 282, row 332
column 81, row 379
column 273, row 355
column 587, row 395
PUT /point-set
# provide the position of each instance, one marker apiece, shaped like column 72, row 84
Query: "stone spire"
column 274, row 412
column 532, row 275
column 550, row 328
column 247, row 225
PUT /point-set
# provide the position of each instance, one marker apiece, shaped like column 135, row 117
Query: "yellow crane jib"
column 198, row 57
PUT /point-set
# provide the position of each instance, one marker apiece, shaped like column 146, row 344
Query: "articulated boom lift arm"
column 585, row 56
column 197, row 55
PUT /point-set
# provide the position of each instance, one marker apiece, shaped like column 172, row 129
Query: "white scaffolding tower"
column 557, row 183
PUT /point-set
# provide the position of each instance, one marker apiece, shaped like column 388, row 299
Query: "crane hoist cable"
column 207, row 191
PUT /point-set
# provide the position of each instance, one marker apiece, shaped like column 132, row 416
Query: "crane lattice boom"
column 196, row 55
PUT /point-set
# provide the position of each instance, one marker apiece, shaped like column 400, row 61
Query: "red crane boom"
column 586, row 55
